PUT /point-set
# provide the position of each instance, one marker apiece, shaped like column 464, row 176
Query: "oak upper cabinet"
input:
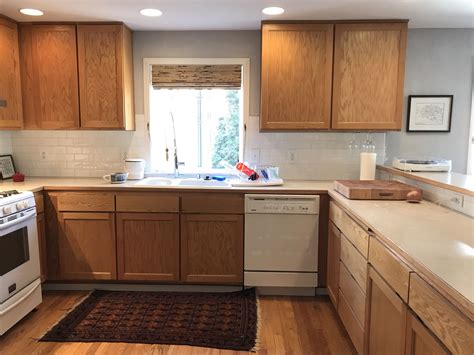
column 334, row 251
column 369, row 66
column 86, row 246
column 11, row 115
column 387, row 316
column 296, row 76
column 49, row 76
column 148, row 246
column 212, row 248
column 105, row 76
column 420, row 341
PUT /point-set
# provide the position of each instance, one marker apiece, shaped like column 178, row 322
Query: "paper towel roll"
column 367, row 166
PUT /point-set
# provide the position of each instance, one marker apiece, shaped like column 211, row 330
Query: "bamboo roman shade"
column 196, row 76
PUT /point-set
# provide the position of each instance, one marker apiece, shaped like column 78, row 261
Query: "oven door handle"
column 26, row 295
column 27, row 215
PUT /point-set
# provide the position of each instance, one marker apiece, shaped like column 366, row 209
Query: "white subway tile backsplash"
column 309, row 156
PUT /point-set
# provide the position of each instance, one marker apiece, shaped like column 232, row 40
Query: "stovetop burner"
column 8, row 193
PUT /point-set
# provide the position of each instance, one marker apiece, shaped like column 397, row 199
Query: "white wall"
column 439, row 61
column 5, row 142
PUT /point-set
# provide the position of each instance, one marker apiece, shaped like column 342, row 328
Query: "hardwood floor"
column 290, row 325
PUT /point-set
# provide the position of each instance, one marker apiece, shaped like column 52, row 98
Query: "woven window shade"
column 196, row 76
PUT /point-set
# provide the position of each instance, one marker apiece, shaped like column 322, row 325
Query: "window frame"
column 470, row 149
column 244, row 62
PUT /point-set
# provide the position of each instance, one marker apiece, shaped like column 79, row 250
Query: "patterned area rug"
column 216, row 320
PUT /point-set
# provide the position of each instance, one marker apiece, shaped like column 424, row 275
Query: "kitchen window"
column 197, row 107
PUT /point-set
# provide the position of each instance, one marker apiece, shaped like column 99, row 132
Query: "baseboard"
column 137, row 287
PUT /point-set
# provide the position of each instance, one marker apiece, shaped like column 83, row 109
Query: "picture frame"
column 7, row 167
column 429, row 113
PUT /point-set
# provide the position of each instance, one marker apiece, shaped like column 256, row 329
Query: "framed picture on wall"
column 7, row 168
column 429, row 113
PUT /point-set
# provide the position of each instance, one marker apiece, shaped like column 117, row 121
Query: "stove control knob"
column 20, row 205
column 7, row 209
column 26, row 204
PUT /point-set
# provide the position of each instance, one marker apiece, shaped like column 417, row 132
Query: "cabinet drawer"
column 354, row 261
column 39, row 201
column 212, row 203
column 392, row 269
column 355, row 331
column 86, row 201
column 353, row 231
column 355, row 296
column 441, row 317
column 147, row 203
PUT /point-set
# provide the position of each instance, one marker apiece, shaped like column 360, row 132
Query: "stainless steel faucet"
column 177, row 163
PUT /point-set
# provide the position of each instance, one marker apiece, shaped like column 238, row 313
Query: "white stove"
column 20, row 285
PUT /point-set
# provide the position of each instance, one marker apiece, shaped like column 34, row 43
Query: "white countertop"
column 38, row 184
column 451, row 181
column 440, row 239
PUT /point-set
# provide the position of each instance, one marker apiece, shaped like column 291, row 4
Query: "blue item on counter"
column 219, row 178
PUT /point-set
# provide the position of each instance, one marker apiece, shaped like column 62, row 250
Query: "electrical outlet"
column 43, row 155
column 291, row 156
column 124, row 156
column 255, row 156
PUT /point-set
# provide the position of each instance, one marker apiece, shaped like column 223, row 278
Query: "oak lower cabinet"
column 334, row 251
column 212, row 248
column 86, row 246
column 419, row 339
column 386, row 318
column 296, row 76
column 41, row 226
column 11, row 115
column 148, row 246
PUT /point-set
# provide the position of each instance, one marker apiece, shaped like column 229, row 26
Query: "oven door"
column 19, row 255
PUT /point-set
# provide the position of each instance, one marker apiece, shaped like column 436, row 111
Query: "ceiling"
column 244, row 14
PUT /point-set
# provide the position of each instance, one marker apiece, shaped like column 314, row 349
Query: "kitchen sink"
column 154, row 181
column 201, row 182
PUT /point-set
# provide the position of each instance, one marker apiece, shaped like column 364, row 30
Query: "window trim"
column 470, row 149
column 245, row 62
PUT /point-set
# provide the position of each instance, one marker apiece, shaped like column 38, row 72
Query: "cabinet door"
column 369, row 66
column 11, row 115
column 86, row 246
column 212, row 248
column 334, row 249
column 148, row 246
column 41, row 226
column 387, row 315
column 420, row 341
column 49, row 76
column 296, row 76
column 100, row 75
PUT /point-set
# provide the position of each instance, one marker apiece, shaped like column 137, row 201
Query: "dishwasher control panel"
column 282, row 204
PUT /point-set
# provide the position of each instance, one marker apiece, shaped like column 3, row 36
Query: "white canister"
column 135, row 168
column 368, row 163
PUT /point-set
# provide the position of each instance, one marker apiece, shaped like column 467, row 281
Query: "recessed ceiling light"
column 273, row 10
column 32, row 12
column 151, row 12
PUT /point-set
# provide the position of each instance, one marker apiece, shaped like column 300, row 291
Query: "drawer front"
column 86, row 201
column 392, row 269
column 354, row 261
column 147, row 203
column 355, row 296
column 353, row 231
column 39, row 201
column 355, row 331
column 453, row 329
column 221, row 203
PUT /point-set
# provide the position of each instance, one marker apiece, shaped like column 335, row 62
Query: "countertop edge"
column 425, row 180
column 454, row 296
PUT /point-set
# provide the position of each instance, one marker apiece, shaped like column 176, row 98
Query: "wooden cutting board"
column 376, row 190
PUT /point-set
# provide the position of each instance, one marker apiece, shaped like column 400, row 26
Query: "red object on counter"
column 18, row 177
column 252, row 174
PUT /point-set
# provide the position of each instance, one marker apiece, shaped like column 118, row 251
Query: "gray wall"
column 198, row 44
column 439, row 61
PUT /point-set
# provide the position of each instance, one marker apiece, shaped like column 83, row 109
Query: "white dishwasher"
column 281, row 241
